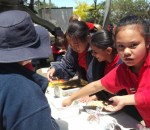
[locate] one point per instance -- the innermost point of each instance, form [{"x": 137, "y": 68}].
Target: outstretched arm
[{"x": 89, "y": 89}]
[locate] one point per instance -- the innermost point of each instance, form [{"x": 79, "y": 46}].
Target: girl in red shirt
[
  {"x": 131, "y": 39},
  {"x": 78, "y": 55},
  {"x": 106, "y": 58}
]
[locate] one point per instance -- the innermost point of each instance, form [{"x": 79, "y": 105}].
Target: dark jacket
[
  {"x": 69, "y": 66},
  {"x": 96, "y": 72},
  {"x": 23, "y": 105}
]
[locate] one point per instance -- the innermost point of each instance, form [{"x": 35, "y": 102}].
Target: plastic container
[{"x": 59, "y": 92}]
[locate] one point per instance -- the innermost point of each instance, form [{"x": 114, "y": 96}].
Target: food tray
[{"x": 74, "y": 83}]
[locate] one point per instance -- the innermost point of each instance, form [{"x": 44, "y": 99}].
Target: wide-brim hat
[{"x": 20, "y": 40}]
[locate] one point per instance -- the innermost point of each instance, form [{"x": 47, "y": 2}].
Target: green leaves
[{"x": 119, "y": 9}]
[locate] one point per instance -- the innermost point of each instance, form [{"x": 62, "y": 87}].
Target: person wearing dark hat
[{"x": 23, "y": 105}]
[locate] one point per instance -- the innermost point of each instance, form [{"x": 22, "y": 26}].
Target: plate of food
[{"x": 92, "y": 106}]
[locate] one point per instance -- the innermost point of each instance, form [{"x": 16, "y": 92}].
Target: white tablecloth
[{"x": 79, "y": 121}]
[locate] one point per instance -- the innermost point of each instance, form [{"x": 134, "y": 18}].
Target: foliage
[
  {"x": 41, "y": 5},
  {"x": 89, "y": 12},
  {"x": 95, "y": 14},
  {"x": 81, "y": 10},
  {"x": 121, "y": 8}
]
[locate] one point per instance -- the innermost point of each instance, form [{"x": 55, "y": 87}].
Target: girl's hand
[
  {"x": 120, "y": 101},
  {"x": 117, "y": 104},
  {"x": 67, "y": 102},
  {"x": 50, "y": 74}
]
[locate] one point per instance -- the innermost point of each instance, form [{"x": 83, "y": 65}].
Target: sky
[{"x": 70, "y": 3}]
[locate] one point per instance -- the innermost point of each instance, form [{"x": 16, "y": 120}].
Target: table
[{"x": 79, "y": 122}]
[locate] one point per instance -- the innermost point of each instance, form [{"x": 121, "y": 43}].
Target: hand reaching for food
[
  {"x": 88, "y": 98},
  {"x": 50, "y": 74},
  {"x": 67, "y": 102},
  {"x": 116, "y": 105}
]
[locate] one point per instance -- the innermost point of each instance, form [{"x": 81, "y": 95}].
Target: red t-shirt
[
  {"x": 110, "y": 66},
  {"x": 82, "y": 60},
  {"x": 55, "y": 50},
  {"x": 90, "y": 25},
  {"x": 122, "y": 78}
]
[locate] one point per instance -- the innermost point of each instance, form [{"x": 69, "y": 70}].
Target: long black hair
[
  {"x": 103, "y": 39},
  {"x": 78, "y": 30}
]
